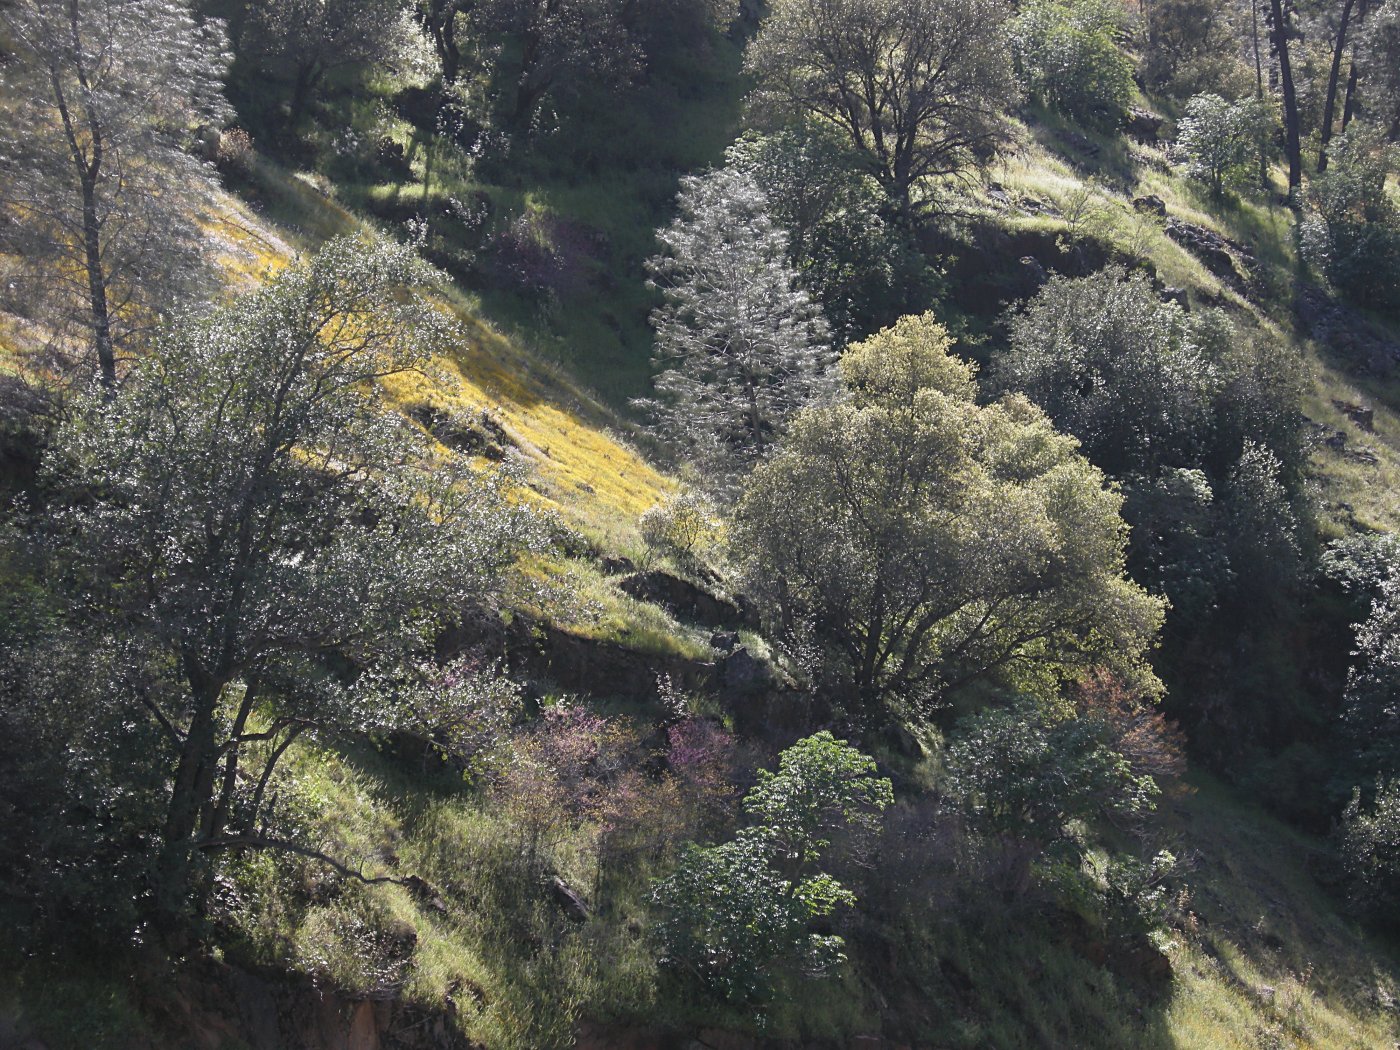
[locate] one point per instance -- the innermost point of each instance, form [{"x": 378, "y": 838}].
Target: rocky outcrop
[
  {"x": 1217, "y": 253},
  {"x": 568, "y": 900},
  {"x": 991, "y": 266},
  {"x": 1143, "y": 126},
  {"x": 1363, "y": 417},
  {"x": 1365, "y": 348},
  {"x": 682, "y": 599},
  {"x": 540, "y": 652},
  {"x": 1151, "y": 204},
  {"x": 479, "y": 435}
]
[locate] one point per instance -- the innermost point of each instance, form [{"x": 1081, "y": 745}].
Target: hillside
[{"x": 480, "y": 832}]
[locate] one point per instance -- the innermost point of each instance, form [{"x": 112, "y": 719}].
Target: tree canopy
[
  {"x": 250, "y": 509},
  {"x": 921, "y": 87},
  {"x": 920, "y": 541}
]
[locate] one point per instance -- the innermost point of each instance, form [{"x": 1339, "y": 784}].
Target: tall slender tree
[
  {"x": 1293, "y": 149},
  {"x": 739, "y": 344},
  {"x": 1329, "y": 107},
  {"x": 99, "y": 190}
]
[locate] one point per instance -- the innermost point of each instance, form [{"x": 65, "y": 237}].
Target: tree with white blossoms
[
  {"x": 247, "y": 505},
  {"x": 739, "y": 345},
  {"x": 99, "y": 190}
]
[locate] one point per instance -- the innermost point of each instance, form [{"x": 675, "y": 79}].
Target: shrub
[
  {"x": 1144, "y": 385},
  {"x": 1352, "y": 231},
  {"x": 1370, "y": 845},
  {"x": 1069, "y": 60},
  {"x": 1371, "y": 704},
  {"x": 734, "y": 912},
  {"x": 682, "y": 527},
  {"x": 1029, "y": 778}
]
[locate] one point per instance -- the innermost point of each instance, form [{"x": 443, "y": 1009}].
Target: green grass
[
  {"x": 576, "y": 595},
  {"x": 496, "y": 953},
  {"x": 596, "y": 186}
]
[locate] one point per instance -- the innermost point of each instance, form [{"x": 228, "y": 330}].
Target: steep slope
[{"x": 1260, "y": 955}]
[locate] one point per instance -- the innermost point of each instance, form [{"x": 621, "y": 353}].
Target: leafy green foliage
[
  {"x": 1219, "y": 140},
  {"x": 1262, "y": 532},
  {"x": 307, "y": 41},
  {"x": 1370, "y": 844},
  {"x": 1037, "y": 788},
  {"x": 1142, "y": 384},
  {"x": 683, "y": 527},
  {"x": 1021, "y": 771},
  {"x": 1177, "y": 547},
  {"x": 730, "y": 916},
  {"x": 822, "y": 786},
  {"x": 1191, "y": 46},
  {"x": 913, "y": 541},
  {"x": 247, "y": 507},
  {"x": 1378, "y": 55},
  {"x": 1069, "y": 58},
  {"x": 1371, "y": 711},
  {"x": 919, "y": 86},
  {"x": 1352, "y": 229},
  {"x": 841, "y": 242},
  {"x": 735, "y": 910}
]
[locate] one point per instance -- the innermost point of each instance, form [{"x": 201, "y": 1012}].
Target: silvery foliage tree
[
  {"x": 739, "y": 345},
  {"x": 852, "y": 260},
  {"x": 248, "y": 506},
  {"x": 921, "y": 87},
  {"x": 99, "y": 193}
]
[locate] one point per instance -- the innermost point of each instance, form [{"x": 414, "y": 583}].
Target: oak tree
[
  {"x": 910, "y": 541},
  {"x": 249, "y": 506},
  {"x": 919, "y": 86}
]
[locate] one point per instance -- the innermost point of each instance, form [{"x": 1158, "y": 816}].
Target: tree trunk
[
  {"x": 190, "y": 798},
  {"x": 1292, "y": 140},
  {"x": 1349, "y": 109},
  {"x": 1259, "y": 89},
  {"x": 307, "y": 76},
  {"x": 441, "y": 21},
  {"x": 528, "y": 89},
  {"x": 89, "y": 171},
  {"x": 97, "y": 288},
  {"x": 1334, "y": 75}
]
